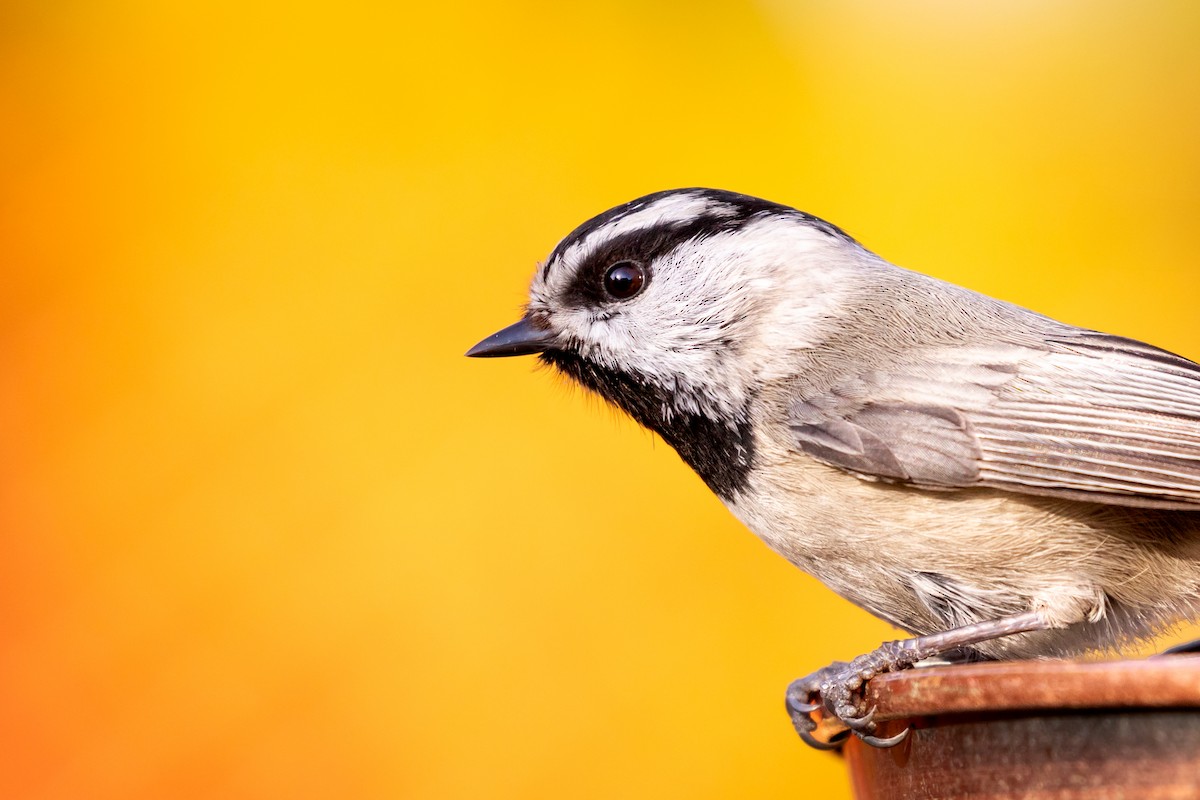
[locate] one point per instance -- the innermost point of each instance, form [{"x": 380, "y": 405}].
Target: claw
[
  {"x": 815, "y": 743},
  {"x": 890, "y": 741},
  {"x": 805, "y": 725},
  {"x": 838, "y": 692},
  {"x": 863, "y": 723},
  {"x": 796, "y": 707}
]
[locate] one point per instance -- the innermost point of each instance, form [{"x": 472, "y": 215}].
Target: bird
[{"x": 994, "y": 482}]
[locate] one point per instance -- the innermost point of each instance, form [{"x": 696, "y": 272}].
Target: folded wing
[{"x": 1086, "y": 417}]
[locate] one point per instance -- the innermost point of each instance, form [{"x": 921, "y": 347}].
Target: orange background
[{"x": 264, "y": 532}]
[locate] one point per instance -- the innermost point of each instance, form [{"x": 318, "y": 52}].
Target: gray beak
[{"x": 518, "y": 339}]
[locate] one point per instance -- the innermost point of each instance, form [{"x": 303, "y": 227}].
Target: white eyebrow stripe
[
  {"x": 667, "y": 211},
  {"x": 675, "y": 209}
]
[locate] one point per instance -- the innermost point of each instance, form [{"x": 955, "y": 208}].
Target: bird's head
[{"x": 680, "y": 302}]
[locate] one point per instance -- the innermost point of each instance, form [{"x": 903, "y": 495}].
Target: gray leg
[{"x": 838, "y": 688}]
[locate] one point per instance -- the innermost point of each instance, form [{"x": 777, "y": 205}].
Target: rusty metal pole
[{"x": 1125, "y": 730}]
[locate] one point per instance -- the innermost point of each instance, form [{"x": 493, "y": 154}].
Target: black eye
[{"x": 624, "y": 279}]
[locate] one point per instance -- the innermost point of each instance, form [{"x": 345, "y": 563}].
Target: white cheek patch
[
  {"x": 720, "y": 314},
  {"x": 770, "y": 288},
  {"x": 809, "y": 297}
]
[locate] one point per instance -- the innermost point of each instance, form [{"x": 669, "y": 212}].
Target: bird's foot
[
  {"x": 838, "y": 693},
  {"x": 804, "y": 697}
]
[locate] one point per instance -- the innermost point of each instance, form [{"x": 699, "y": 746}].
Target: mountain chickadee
[{"x": 983, "y": 476}]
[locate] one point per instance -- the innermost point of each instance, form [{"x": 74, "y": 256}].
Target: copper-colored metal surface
[{"x": 1127, "y": 730}]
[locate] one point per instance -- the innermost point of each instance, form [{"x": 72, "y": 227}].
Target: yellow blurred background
[{"x": 264, "y": 532}]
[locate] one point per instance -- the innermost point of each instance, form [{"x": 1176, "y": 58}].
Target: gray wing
[{"x": 1089, "y": 417}]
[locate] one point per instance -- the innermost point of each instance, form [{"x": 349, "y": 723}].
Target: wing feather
[{"x": 1092, "y": 417}]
